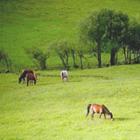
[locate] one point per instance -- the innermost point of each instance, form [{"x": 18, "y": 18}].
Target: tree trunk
[
  {"x": 73, "y": 57},
  {"x": 67, "y": 60},
  {"x": 113, "y": 57},
  {"x": 43, "y": 64},
  {"x": 63, "y": 61},
  {"x": 130, "y": 57},
  {"x": 125, "y": 54},
  {"x": 99, "y": 55},
  {"x": 81, "y": 62},
  {"x": 139, "y": 56}
]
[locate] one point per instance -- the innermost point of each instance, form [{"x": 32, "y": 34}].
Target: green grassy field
[
  {"x": 53, "y": 110},
  {"x": 29, "y": 23}
]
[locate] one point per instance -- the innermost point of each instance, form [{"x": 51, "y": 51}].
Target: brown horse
[
  {"x": 100, "y": 109},
  {"x": 23, "y": 75},
  {"x": 31, "y": 78}
]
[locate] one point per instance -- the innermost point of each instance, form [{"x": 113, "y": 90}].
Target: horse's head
[
  {"x": 111, "y": 116},
  {"x": 19, "y": 80}
]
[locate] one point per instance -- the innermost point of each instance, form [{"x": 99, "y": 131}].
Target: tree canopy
[{"x": 103, "y": 27}]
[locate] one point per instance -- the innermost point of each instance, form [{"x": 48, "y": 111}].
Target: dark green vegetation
[
  {"x": 54, "y": 110},
  {"x": 29, "y": 23},
  {"x": 39, "y": 56},
  {"x": 110, "y": 31},
  {"x": 4, "y": 59}
]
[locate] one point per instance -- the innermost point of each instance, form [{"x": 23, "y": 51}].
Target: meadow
[
  {"x": 37, "y": 23},
  {"x": 54, "y": 110}
]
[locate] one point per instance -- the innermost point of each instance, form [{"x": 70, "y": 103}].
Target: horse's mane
[{"x": 105, "y": 109}]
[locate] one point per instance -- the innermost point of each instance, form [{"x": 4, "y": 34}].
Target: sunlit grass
[{"x": 56, "y": 110}]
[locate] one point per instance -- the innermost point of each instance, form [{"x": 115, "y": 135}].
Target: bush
[
  {"x": 39, "y": 56},
  {"x": 5, "y": 60}
]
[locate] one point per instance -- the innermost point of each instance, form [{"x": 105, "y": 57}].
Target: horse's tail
[{"x": 88, "y": 109}]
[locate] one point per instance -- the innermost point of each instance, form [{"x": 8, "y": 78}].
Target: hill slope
[{"x": 28, "y": 23}]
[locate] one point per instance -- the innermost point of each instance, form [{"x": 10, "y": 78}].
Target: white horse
[{"x": 64, "y": 75}]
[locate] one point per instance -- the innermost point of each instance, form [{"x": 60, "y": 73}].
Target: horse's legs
[
  {"x": 100, "y": 115},
  {"x": 92, "y": 115},
  {"x": 23, "y": 80},
  {"x": 34, "y": 81},
  {"x": 27, "y": 82},
  {"x": 104, "y": 116}
]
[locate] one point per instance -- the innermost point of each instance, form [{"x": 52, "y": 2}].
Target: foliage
[
  {"x": 91, "y": 33},
  {"x": 4, "y": 59},
  {"x": 62, "y": 49},
  {"x": 132, "y": 43},
  {"x": 40, "y": 56},
  {"x": 133, "y": 39},
  {"x": 73, "y": 49},
  {"x": 117, "y": 27},
  {"x": 103, "y": 27},
  {"x": 81, "y": 51}
]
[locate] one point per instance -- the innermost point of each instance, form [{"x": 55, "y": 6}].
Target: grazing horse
[
  {"x": 31, "y": 78},
  {"x": 23, "y": 75},
  {"x": 64, "y": 75},
  {"x": 100, "y": 109}
]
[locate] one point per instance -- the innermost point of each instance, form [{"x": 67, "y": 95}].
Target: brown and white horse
[{"x": 100, "y": 109}]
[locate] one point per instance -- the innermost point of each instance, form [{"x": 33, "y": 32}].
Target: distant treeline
[{"x": 106, "y": 31}]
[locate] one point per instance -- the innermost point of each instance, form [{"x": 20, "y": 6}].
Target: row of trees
[
  {"x": 63, "y": 49},
  {"x": 105, "y": 31},
  {"x": 112, "y": 31}
]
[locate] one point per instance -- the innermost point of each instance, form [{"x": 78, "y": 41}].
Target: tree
[
  {"x": 4, "y": 58},
  {"x": 92, "y": 33},
  {"x": 73, "y": 48},
  {"x": 80, "y": 51},
  {"x": 40, "y": 56},
  {"x": 62, "y": 49},
  {"x": 116, "y": 26},
  {"x": 133, "y": 41},
  {"x": 103, "y": 27}
]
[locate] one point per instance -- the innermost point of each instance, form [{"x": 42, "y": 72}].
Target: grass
[
  {"x": 54, "y": 110},
  {"x": 29, "y": 23}
]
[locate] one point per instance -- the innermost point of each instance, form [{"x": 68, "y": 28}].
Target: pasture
[{"x": 54, "y": 110}]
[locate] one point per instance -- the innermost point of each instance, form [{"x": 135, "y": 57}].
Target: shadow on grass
[{"x": 122, "y": 119}]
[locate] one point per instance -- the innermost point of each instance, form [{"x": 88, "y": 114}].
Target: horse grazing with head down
[
  {"x": 64, "y": 75},
  {"x": 23, "y": 75},
  {"x": 100, "y": 109},
  {"x": 31, "y": 78}
]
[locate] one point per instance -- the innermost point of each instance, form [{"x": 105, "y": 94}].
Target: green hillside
[{"x": 29, "y": 23}]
